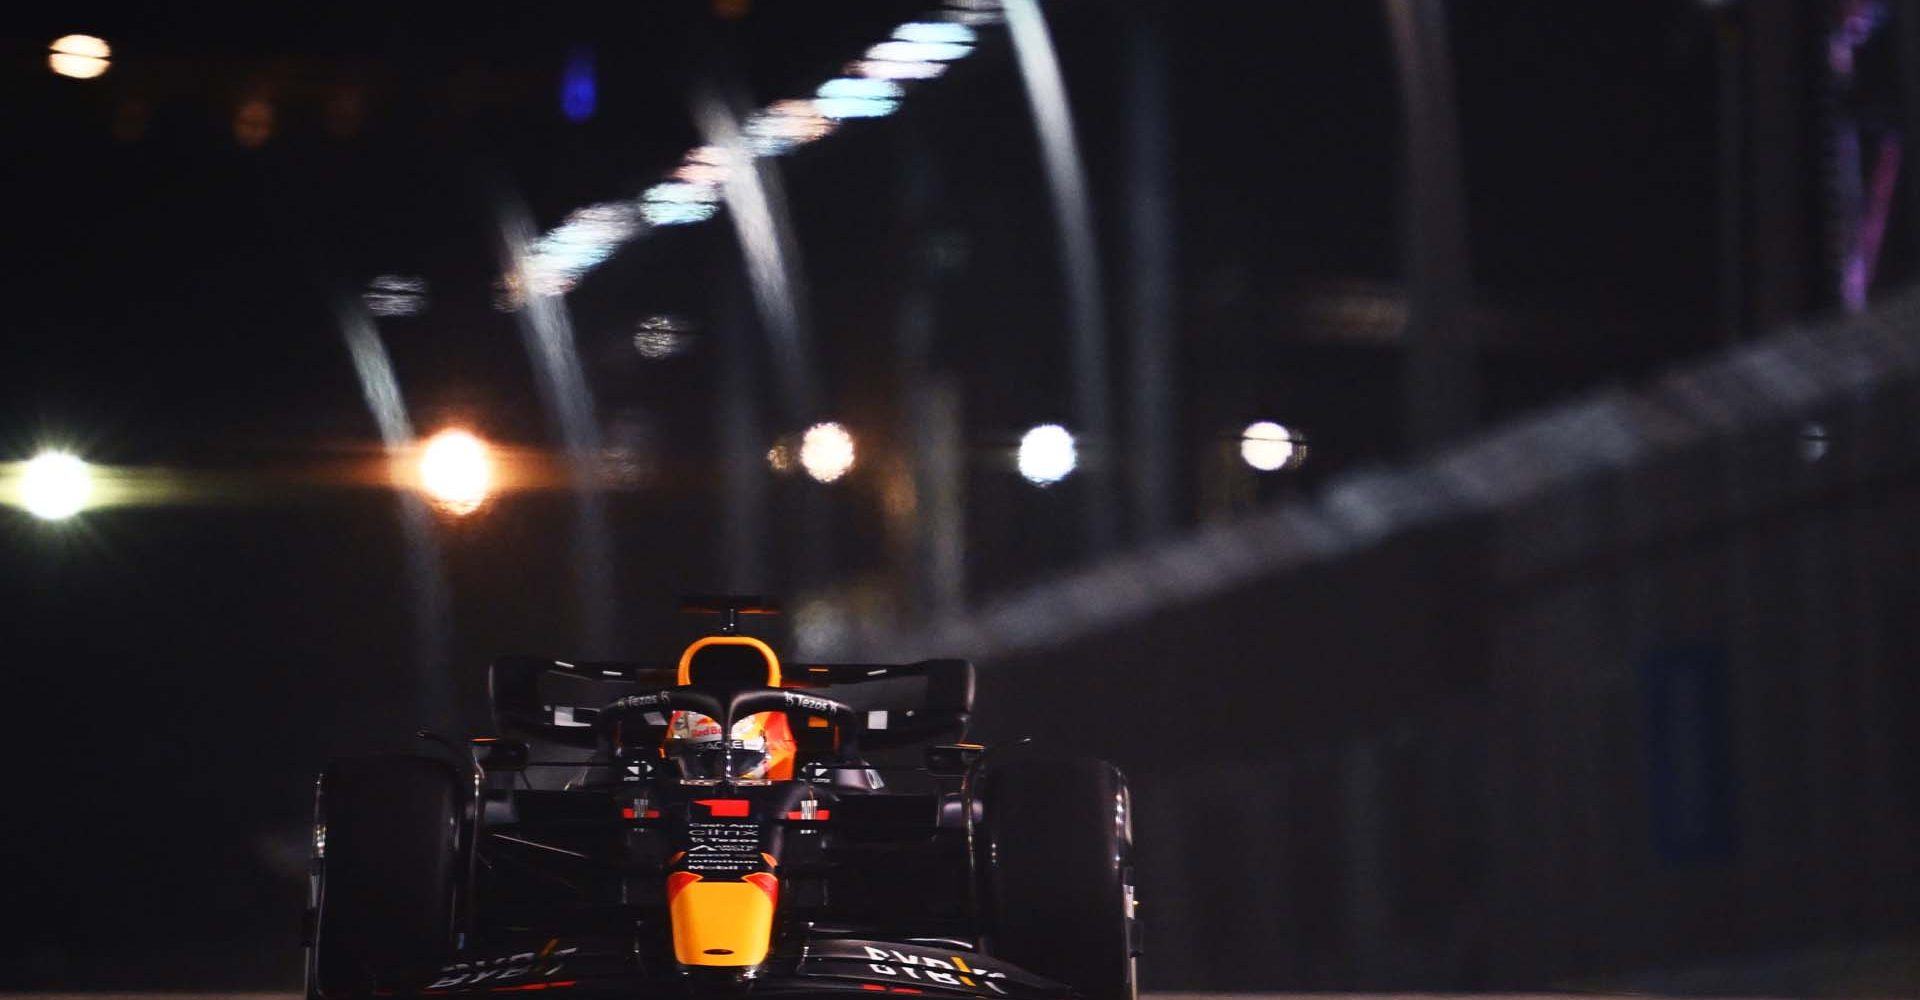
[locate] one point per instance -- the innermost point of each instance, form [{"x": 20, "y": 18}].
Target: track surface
[{"x": 185, "y": 995}]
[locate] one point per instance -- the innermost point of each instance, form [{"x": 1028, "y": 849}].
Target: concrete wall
[{"x": 1642, "y": 713}]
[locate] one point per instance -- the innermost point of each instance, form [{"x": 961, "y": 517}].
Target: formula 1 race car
[{"x": 721, "y": 826}]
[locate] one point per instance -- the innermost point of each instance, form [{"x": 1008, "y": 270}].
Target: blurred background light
[
  {"x": 1813, "y": 441},
  {"x": 81, "y": 57},
  {"x": 395, "y": 295},
  {"x": 585, "y": 239},
  {"x": 783, "y": 125},
  {"x": 911, "y": 52},
  {"x": 940, "y": 32},
  {"x": 56, "y": 485},
  {"x": 660, "y": 337},
  {"x": 844, "y": 108},
  {"x": 826, "y": 451},
  {"x": 888, "y": 69},
  {"x": 704, "y": 165},
  {"x": 579, "y": 93},
  {"x": 780, "y": 458},
  {"x": 253, "y": 123},
  {"x": 678, "y": 203},
  {"x": 857, "y": 97},
  {"x": 345, "y": 111},
  {"x": 1047, "y": 454},
  {"x": 456, "y": 471},
  {"x": 1269, "y": 447},
  {"x": 859, "y": 89}
]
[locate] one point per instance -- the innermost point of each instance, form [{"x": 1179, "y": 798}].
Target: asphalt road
[{"x": 1143, "y": 997}]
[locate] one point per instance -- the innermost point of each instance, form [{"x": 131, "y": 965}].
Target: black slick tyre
[
  {"x": 1057, "y": 866},
  {"x": 386, "y": 863}
]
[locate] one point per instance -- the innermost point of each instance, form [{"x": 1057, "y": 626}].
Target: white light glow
[
  {"x": 456, "y": 471},
  {"x": 678, "y": 203},
  {"x": 886, "y": 69},
  {"x": 918, "y": 51},
  {"x": 859, "y": 88},
  {"x": 783, "y": 126},
  {"x": 945, "y": 32},
  {"x": 1047, "y": 454},
  {"x": 581, "y": 242},
  {"x": 844, "y": 108},
  {"x": 81, "y": 57},
  {"x": 56, "y": 485},
  {"x": 1269, "y": 447},
  {"x": 826, "y": 452}
]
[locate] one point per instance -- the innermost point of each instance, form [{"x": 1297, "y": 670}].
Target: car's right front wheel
[
  {"x": 386, "y": 866},
  {"x": 1058, "y": 873}
]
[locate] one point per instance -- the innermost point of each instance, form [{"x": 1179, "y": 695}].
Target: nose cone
[{"x": 722, "y": 923}]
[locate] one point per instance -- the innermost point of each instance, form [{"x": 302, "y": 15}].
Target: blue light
[{"x": 578, "y": 91}]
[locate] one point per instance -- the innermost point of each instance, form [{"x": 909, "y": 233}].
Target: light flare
[
  {"x": 457, "y": 471},
  {"x": 826, "y": 451},
  {"x": 1270, "y": 447},
  {"x": 56, "y": 485},
  {"x": 1047, "y": 454},
  {"x": 80, "y": 57}
]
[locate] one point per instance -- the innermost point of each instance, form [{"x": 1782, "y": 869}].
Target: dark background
[{"x": 175, "y": 672}]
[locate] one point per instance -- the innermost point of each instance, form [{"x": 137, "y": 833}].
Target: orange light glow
[
  {"x": 253, "y": 123},
  {"x": 457, "y": 471}
]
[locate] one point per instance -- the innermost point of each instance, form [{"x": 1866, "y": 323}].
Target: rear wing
[{"x": 904, "y": 704}]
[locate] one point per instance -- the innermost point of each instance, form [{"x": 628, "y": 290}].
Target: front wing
[{"x": 826, "y": 967}]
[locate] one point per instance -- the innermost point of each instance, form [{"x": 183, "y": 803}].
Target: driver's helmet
[{"x": 761, "y": 748}]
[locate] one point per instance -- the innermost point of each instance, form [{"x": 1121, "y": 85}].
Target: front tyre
[
  {"x": 1058, "y": 871},
  {"x": 386, "y": 850}
]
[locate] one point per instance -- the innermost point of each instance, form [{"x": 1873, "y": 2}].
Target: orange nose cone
[{"x": 722, "y": 923}]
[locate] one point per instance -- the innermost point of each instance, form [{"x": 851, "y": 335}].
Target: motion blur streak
[
  {"x": 756, "y": 204},
  {"x": 580, "y": 243},
  {"x": 1151, "y": 235},
  {"x": 887, "y": 69},
  {"x": 425, "y": 570},
  {"x": 57, "y": 485},
  {"x": 783, "y": 126},
  {"x": 857, "y": 97},
  {"x": 546, "y": 328},
  {"x": 1073, "y": 212},
  {"x": 556, "y": 261}
]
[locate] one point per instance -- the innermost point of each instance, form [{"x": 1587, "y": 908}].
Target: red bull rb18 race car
[{"x": 725, "y": 825}]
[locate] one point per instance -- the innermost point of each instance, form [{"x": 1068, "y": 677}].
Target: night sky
[{"x": 177, "y": 671}]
